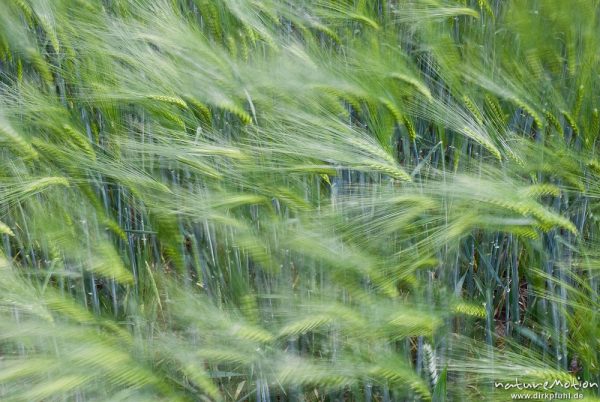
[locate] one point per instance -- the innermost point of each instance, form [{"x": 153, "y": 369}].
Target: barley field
[{"x": 299, "y": 200}]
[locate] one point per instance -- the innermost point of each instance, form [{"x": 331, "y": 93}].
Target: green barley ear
[
  {"x": 412, "y": 81},
  {"x": 12, "y": 140},
  {"x": 536, "y": 117},
  {"x": 484, "y": 6},
  {"x": 571, "y": 56},
  {"x": 47, "y": 150},
  {"x": 4, "y": 229},
  {"x": 4, "y": 51},
  {"x": 109, "y": 264},
  {"x": 489, "y": 145},
  {"x": 410, "y": 127},
  {"x": 331, "y": 101},
  {"x": 199, "y": 377},
  {"x": 550, "y": 118},
  {"x": 578, "y": 101},
  {"x": 244, "y": 50},
  {"x": 114, "y": 228},
  {"x": 594, "y": 166},
  {"x": 199, "y": 109},
  {"x": 457, "y": 154},
  {"x": 395, "y": 373},
  {"x": 42, "y": 184},
  {"x": 213, "y": 20},
  {"x": 306, "y": 324},
  {"x": 495, "y": 110},
  {"x": 171, "y": 100},
  {"x": 572, "y": 123},
  {"x": 25, "y": 9},
  {"x": 236, "y": 111},
  {"x": 353, "y": 101},
  {"x": 524, "y": 232},
  {"x": 80, "y": 141},
  {"x": 19, "y": 70},
  {"x": 431, "y": 360},
  {"x": 514, "y": 156},
  {"x": 170, "y": 119},
  {"x": 394, "y": 111},
  {"x": 253, "y": 333},
  {"x": 595, "y": 126},
  {"x": 538, "y": 190},
  {"x": 231, "y": 46},
  {"x": 251, "y": 34},
  {"x": 535, "y": 65},
  {"x": 342, "y": 95},
  {"x": 50, "y": 33},
  {"x": 390, "y": 170},
  {"x": 249, "y": 308},
  {"x": 41, "y": 65},
  {"x": 469, "y": 309},
  {"x": 473, "y": 109}
]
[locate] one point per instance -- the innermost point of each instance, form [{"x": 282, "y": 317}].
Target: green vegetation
[{"x": 311, "y": 200}]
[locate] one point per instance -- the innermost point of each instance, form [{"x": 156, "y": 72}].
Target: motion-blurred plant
[{"x": 234, "y": 200}]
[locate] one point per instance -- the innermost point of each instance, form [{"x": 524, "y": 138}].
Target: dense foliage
[{"x": 317, "y": 200}]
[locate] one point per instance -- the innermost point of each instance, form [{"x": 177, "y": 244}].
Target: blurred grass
[{"x": 317, "y": 200}]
